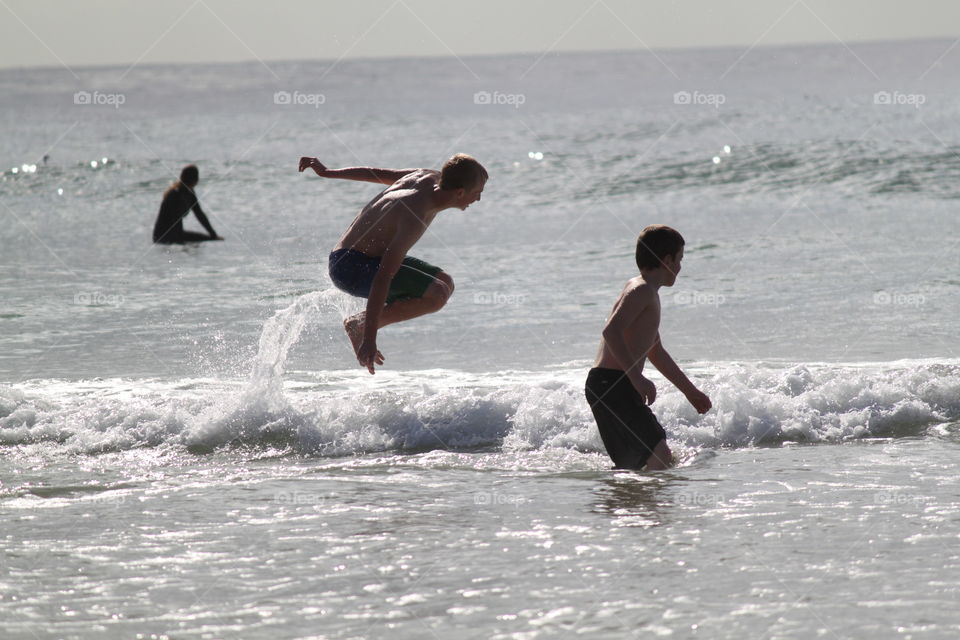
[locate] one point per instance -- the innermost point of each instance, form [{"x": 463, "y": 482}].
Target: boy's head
[
  {"x": 190, "y": 175},
  {"x": 660, "y": 246},
  {"x": 464, "y": 174}
]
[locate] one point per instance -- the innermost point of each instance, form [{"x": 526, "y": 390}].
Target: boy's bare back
[
  {"x": 636, "y": 315},
  {"x": 407, "y": 202}
]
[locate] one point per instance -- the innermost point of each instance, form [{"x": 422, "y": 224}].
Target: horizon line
[{"x": 518, "y": 53}]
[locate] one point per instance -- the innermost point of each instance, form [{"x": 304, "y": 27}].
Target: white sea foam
[{"x": 349, "y": 414}]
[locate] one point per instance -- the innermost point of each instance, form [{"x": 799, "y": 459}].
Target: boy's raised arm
[
  {"x": 665, "y": 364},
  {"x": 362, "y": 174}
]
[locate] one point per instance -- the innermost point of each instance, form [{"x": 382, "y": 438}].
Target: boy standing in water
[
  {"x": 616, "y": 389},
  {"x": 371, "y": 260}
]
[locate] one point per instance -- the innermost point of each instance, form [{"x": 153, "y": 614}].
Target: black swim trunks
[
  {"x": 628, "y": 428},
  {"x": 353, "y": 271}
]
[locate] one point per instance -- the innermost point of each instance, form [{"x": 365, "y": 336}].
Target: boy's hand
[
  {"x": 646, "y": 389},
  {"x": 367, "y": 355},
  {"x": 699, "y": 400},
  {"x": 312, "y": 163}
]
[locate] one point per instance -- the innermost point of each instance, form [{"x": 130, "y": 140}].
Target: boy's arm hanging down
[
  {"x": 408, "y": 232},
  {"x": 362, "y": 174},
  {"x": 202, "y": 217},
  {"x": 665, "y": 364}
]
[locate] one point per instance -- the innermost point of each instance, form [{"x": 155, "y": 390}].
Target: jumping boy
[
  {"x": 616, "y": 389},
  {"x": 371, "y": 260}
]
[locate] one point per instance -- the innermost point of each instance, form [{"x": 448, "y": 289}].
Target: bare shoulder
[
  {"x": 418, "y": 178},
  {"x": 638, "y": 291}
]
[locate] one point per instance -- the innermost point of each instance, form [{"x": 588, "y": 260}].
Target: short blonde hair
[{"x": 462, "y": 172}]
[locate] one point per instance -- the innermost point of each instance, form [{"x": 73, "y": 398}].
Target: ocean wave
[
  {"x": 855, "y": 167},
  {"x": 346, "y": 414}
]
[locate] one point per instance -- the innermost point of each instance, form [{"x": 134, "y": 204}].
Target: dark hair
[
  {"x": 190, "y": 174},
  {"x": 462, "y": 172},
  {"x": 655, "y": 243}
]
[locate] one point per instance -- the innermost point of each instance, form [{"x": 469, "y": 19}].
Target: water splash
[
  {"x": 281, "y": 332},
  {"x": 261, "y": 412}
]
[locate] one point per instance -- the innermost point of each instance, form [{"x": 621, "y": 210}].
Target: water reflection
[{"x": 636, "y": 500}]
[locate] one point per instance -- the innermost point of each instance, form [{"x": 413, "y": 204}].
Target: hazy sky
[{"x": 122, "y": 32}]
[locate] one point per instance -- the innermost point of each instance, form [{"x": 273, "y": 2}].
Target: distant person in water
[
  {"x": 178, "y": 200},
  {"x": 618, "y": 393},
  {"x": 371, "y": 260}
]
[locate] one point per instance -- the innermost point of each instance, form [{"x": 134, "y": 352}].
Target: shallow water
[
  {"x": 189, "y": 450},
  {"x": 768, "y": 542}
]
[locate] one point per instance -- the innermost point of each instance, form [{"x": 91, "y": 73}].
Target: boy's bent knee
[
  {"x": 442, "y": 288},
  {"x": 447, "y": 281},
  {"x": 439, "y": 291}
]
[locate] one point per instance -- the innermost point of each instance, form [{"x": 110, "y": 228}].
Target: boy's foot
[{"x": 354, "y": 328}]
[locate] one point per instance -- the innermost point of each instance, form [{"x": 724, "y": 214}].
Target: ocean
[{"x": 188, "y": 448}]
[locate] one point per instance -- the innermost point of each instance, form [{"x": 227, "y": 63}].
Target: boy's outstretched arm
[
  {"x": 665, "y": 364},
  {"x": 363, "y": 174},
  {"x": 626, "y": 315}
]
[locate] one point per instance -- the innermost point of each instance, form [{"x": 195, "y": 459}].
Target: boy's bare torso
[
  {"x": 407, "y": 200},
  {"x": 643, "y": 332}
]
